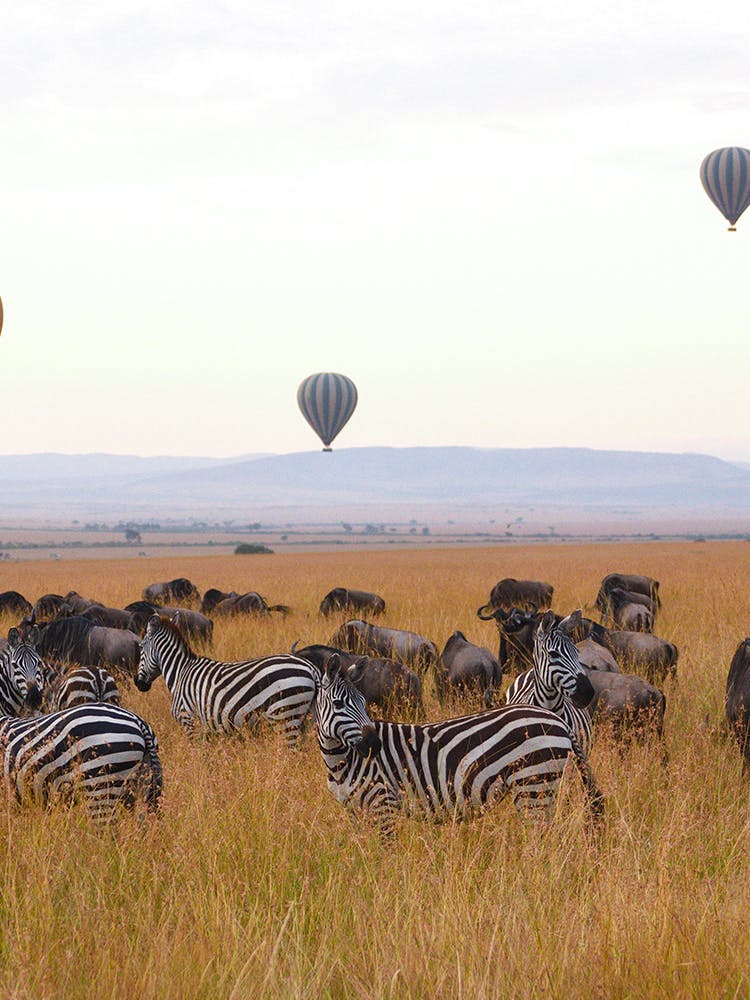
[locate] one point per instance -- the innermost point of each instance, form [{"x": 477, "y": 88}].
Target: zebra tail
[
  {"x": 594, "y": 796},
  {"x": 153, "y": 782}
]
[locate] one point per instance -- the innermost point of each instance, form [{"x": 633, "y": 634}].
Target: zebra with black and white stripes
[
  {"x": 78, "y": 686},
  {"x": 557, "y": 681},
  {"x": 102, "y": 753},
  {"x": 448, "y": 769},
  {"x": 21, "y": 674},
  {"x": 227, "y": 697}
]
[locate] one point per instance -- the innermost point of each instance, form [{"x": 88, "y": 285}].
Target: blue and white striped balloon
[
  {"x": 327, "y": 401},
  {"x": 725, "y": 175}
]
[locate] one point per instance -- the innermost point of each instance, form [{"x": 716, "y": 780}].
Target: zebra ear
[
  {"x": 153, "y": 621},
  {"x": 14, "y": 638},
  {"x": 547, "y": 623},
  {"x": 333, "y": 666}
]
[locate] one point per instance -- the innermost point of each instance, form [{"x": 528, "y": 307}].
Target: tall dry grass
[{"x": 253, "y": 882}]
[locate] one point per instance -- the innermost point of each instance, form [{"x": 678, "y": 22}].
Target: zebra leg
[{"x": 594, "y": 796}]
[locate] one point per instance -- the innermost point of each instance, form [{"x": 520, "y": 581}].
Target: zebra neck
[
  {"x": 175, "y": 664},
  {"x": 547, "y": 697}
]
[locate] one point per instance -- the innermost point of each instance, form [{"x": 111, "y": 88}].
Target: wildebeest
[
  {"x": 358, "y": 636},
  {"x": 179, "y": 591},
  {"x": 641, "y": 653},
  {"x": 630, "y": 705},
  {"x": 629, "y": 582},
  {"x": 78, "y": 640},
  {"x": 47, "y": 607},
  {"x": 343, "y": 599},
  {"x": 212, "y": 597},
  {"x": 737, "y": 701},
  {"x": 251, "y": 603},
  {"x": 510, "y": 593},
  {"x": 597, "y": 657},
  {"x": 13, "y": 603},
  {"x": 78, "y": 604},
  {"x": 383, "y": 682},
  {"x": 629, "y": 612},
  {"x": 466, "y": 667},
  {"x": 111, "y": 617},
  {"x": 192, "y": 624}
]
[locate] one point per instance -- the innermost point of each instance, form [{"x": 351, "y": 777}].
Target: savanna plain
[{"x": 253, "y": 882}]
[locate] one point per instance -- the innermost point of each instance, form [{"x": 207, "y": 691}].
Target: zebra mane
[{"x": 168, "y": 624}]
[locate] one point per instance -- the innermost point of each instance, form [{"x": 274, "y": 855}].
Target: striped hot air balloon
[
  {"x": 327, "y": 401},
  {"x": 725, "y": 175}
]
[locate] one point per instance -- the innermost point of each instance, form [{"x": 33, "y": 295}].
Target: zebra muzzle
[
  {"x": 583, "y": 693},
  {"x": 370, "y": 742}
]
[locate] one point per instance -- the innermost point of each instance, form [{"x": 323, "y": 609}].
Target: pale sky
[{"x": 488, "y": 215}]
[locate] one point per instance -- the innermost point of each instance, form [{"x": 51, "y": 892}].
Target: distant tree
[
  {"x": 425, "y": 530},
  {"x": 252, "y": 549},
  {"x": 345, "y": 526},
  {"x": 131, "y": 535}
]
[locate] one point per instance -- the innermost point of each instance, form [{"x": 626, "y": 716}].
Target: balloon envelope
[
  {"x": 725, "y": 175},
  {"x": 327, "y": 400}
]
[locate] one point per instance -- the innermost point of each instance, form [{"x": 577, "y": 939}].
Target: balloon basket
[
  {"x": 732, "y": 229},
  {"x": 328, "y": 449}
]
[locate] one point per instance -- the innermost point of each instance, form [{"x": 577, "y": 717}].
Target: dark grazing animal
[
  {"x": 226, "y": 697},
  {"x": 179, "y": 591},
  {"x": 250, "y": 603},
  {"x": 13, "y": 603},
  {"x": 21, "y": 674},
  {"x": 737, "y": 701},
  {"x": 633, "y": 708},
  {"x": 212, "y": 597},
  {"x": 462, "y": 666},
  {"x": 111, "y": 617},
  {"x": 384, "y": 683},
  {"x": 357, "y": 636},
  {"x": 645, "y": 585},
  {"x": 510, "y": 593},
  {"x": 343, "y": 599},
  {"x": 632, "y": 616},
  {"x": 80, "y": 641},
  {"x": 107, "y": 755},
  {"x": 47, "y": 607},
  {"x": 194, "y": 625},
  {"x": 78, "y": 686},
  {"x": 448, "y": 769},
  {"x": 641, "y": 653},
  {"x": 557, "y": 681}
]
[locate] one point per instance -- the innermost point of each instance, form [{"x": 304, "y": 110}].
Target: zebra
[
  {"x": 448, "y": 769},
  {"x": 21, "y": 674},
  {"x": 226, "y": 697},
  {"x": 557, "y": 681},
  {"x": 78, "y": 686},
  {"x": 102, "y": 753}
]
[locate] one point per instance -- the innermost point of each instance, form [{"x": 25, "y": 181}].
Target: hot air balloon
[
  {"x": 725, "y": 175},
  {"x": 327, "y": 400}
]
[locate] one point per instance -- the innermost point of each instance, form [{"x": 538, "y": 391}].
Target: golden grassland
[{"x": 253, "y": 882}]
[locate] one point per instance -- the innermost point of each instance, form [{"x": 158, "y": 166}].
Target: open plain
[{"x": 252, "y": 881}]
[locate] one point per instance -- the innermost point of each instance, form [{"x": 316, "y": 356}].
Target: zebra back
[
  {"x": 452, "y": 768},
  {"x": 80, "y": 686},
  {"x": 227, "y": 697},
  {"x": 103, "y": 753}
]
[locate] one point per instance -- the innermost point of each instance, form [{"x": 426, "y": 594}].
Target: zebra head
[
  {"x": 150, "y": 660},
  {"x": 25, "y": 668},
  {"x": 556, "y": 661},
  {"x": 343, "y": 721}
]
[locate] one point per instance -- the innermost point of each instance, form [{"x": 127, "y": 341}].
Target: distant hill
[{"x": 570, "y": 477}]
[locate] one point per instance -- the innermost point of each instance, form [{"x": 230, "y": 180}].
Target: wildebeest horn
[
  {"x": 294, "y": 646},
  {"x": 486, "y": 618}
]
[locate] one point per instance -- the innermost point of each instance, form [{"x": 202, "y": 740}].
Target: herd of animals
[{"x": 63, "y": 730}]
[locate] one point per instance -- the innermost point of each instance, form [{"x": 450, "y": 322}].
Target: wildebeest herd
[{"x": 63, "y": 662}]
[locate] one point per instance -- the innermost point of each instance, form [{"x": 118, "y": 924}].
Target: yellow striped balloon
[
  {"x": 327, "y": 401},
  {"x": 725, "y": 175}
]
